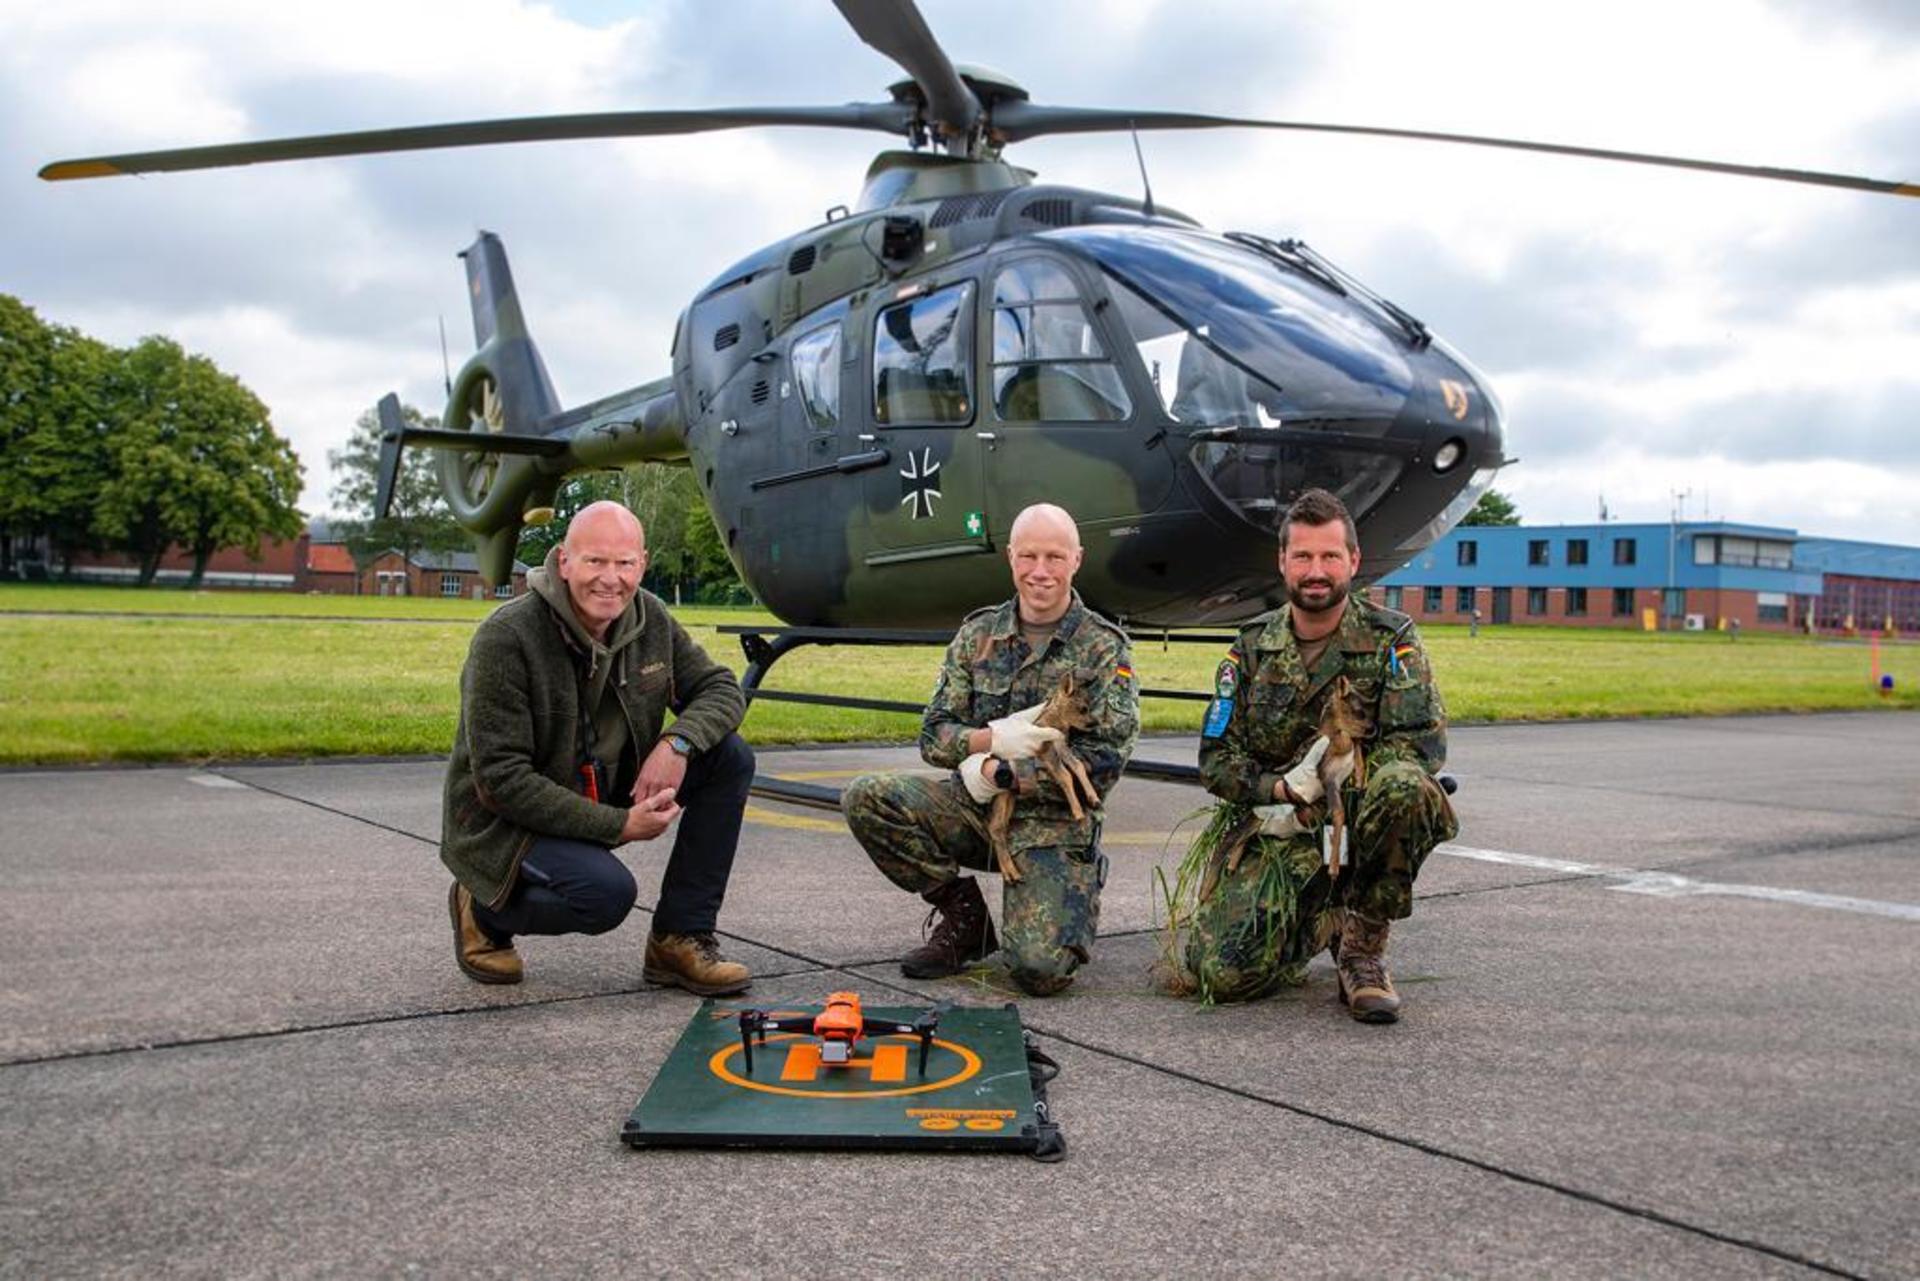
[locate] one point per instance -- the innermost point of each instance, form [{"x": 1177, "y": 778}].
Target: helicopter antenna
[
  {"x": 1141, "y": 156},
  {"x": 446, "y": 369}
]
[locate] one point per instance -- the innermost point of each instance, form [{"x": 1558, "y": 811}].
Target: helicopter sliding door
[
  {"x": 929, "y": 503},
  {"x": 1058, "y": 422}
]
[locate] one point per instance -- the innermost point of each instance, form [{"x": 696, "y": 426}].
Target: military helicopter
[{"x": 867, "y": 404}]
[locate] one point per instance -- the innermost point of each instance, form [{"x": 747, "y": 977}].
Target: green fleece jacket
[{"x": 515, "y": 770}]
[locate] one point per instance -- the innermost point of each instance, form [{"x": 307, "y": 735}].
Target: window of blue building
[
  {"x": 1536, "y": 600},
  {"x": 1463, "y": 602},
  {"x": 1468, "y": 552},
  {"x": 1576, "y": 602},
  {"x": 1576, "y": 551},
  {"x": 1624, "y": 551},
  {"x": 1433, "y": 600},
  {"x": 1537, "y": 552},
  {"x": 1623, "y": 602},
  {"x": 1393, "y": 598}
]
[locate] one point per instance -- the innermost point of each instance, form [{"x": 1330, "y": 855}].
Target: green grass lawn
[{"x": 79, "y": 686}]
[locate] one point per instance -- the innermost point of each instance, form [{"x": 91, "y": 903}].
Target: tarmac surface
[{"x": 1661, "y": 1020}]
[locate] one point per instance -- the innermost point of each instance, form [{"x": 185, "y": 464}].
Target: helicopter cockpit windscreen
[{"x": 1232, "y": 340}]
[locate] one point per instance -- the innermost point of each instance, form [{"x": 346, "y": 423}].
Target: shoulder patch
[{"x": 1226, "y": 678}]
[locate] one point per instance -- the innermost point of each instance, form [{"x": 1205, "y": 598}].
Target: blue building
[{"x": 1698, "y": 574}]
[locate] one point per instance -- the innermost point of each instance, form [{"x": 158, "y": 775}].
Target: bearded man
[{"x": 1262, "y": 746}]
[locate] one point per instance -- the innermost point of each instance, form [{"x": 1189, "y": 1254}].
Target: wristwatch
[{"x": 679, "y": 744}]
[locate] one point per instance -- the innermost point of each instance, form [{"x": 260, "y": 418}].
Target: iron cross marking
[{"x": 919, "y": 483}]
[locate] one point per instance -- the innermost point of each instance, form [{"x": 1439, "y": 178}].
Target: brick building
[
  {"x": 279, "y": 566},
  {"x": 454, "y": 575},
  {"x": 1694, "y": 574}
]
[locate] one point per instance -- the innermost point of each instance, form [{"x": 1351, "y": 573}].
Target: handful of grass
[{"x": 1227, "y": 839}]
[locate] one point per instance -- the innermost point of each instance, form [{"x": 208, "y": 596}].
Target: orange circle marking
[
  {"x": 940, "y": 1123},
  {"x": 986, "y": 1123},
  {"x": 969, "y": 1068}
]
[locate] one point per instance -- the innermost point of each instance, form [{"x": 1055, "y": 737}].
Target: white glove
[
  {"x": 1278, "y": 820},
  {"x": 973, "y": 773},
  {"x": 1303, "y": 780},
  {"x": 1016, "y": 737}
]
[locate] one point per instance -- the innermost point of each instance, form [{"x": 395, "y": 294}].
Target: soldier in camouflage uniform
[
  {"x": 1261, "y": 746},
  {"x": 922, "y": 832}
]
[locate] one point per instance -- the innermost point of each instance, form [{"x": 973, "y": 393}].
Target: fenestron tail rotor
[
  {"x": 968, "y": 112},
  {"x": 478, "y": 469}
]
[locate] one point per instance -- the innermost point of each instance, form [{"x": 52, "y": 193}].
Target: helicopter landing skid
[{"x": 766, "y": 646}]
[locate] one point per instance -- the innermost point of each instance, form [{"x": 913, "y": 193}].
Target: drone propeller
[{"x": 951, "y": 108}]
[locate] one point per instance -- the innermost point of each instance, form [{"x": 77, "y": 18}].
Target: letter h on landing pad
[{"x": 838, "y": 1029}]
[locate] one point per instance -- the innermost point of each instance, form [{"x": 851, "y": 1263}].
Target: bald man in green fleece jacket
[{"x": 561, "y": 755}]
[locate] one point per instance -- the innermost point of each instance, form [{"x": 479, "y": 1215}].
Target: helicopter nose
[{"x": 1471, "y": 422}]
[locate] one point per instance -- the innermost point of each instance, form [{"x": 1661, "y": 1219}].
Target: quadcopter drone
[{"x": 839, "y": 1028}]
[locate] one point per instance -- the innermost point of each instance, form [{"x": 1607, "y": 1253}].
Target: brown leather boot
[
  {"x": 961, "y": 932},
  {"x": 693, "y": 962},
  {"x": 1366, "y": 989},
  {"x": 479, "y": 957}
]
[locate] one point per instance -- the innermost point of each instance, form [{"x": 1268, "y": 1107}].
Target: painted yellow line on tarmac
[
  {"x": 793, "y": 822},
  {"x": 809, "y": 775}
]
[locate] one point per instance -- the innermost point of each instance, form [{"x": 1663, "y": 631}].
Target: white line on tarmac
[{"x": 1668, "y": 885}]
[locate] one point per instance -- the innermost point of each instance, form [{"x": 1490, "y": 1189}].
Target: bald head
[
  {"x": 1044, "y": 520},
  {"x": 1044, "y": 549},
  {"x": 605, "y": 519},
  {"x": 601, "y": 562}
]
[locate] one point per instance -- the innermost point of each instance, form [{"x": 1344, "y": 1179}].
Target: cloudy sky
[{"x": 1754, "y": 343}]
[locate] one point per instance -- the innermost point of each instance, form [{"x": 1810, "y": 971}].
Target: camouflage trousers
[
  {"x": 922, "y": 832},
  {"x": 1260, "y": 924}
]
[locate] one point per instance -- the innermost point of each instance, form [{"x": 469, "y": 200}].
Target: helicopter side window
[
  {"x": 922, "y": 357},
  {"x": 1048, "y": 361},
  {"x": 815, "y": 360}
]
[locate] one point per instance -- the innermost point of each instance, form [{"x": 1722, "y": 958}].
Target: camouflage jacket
[
  {"x": 990, "y": 672},
  {"x": 1266, "y": 707}
]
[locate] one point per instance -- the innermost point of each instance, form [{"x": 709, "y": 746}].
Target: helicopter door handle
[{"x": 987, "y": 436}]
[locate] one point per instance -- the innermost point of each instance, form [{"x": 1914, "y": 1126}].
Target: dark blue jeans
[{"x": 576, "y": 887}]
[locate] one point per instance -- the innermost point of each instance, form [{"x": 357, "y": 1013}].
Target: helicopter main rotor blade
[
  {"x": 1018, "y": 121},
  {"x": 896, "y": 29},
  {"x": 886, "y": 117}
]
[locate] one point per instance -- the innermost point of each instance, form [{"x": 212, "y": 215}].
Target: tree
[
  {"x": 26, "y": 358},
  {"x": 417, "y": 519},
  {"x": 246, "y": 481},
  {"x": 195, "y": 461},
  {"x": 1494, "y": 508},
  {"x": 54, "y": 431}
]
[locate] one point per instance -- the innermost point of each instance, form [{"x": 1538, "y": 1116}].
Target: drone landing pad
[{"x": 976, "y": 1093}]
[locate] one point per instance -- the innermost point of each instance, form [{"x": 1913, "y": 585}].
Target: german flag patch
[{"x": 1123, "y": 672}]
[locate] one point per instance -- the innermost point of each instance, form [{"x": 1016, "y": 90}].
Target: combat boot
[
  {"x": 693, "y": 961},
  {"x": 1366, "y": 989},
  {"x": 479, "y": 957},
  {"x": 961, "y": 932}
]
